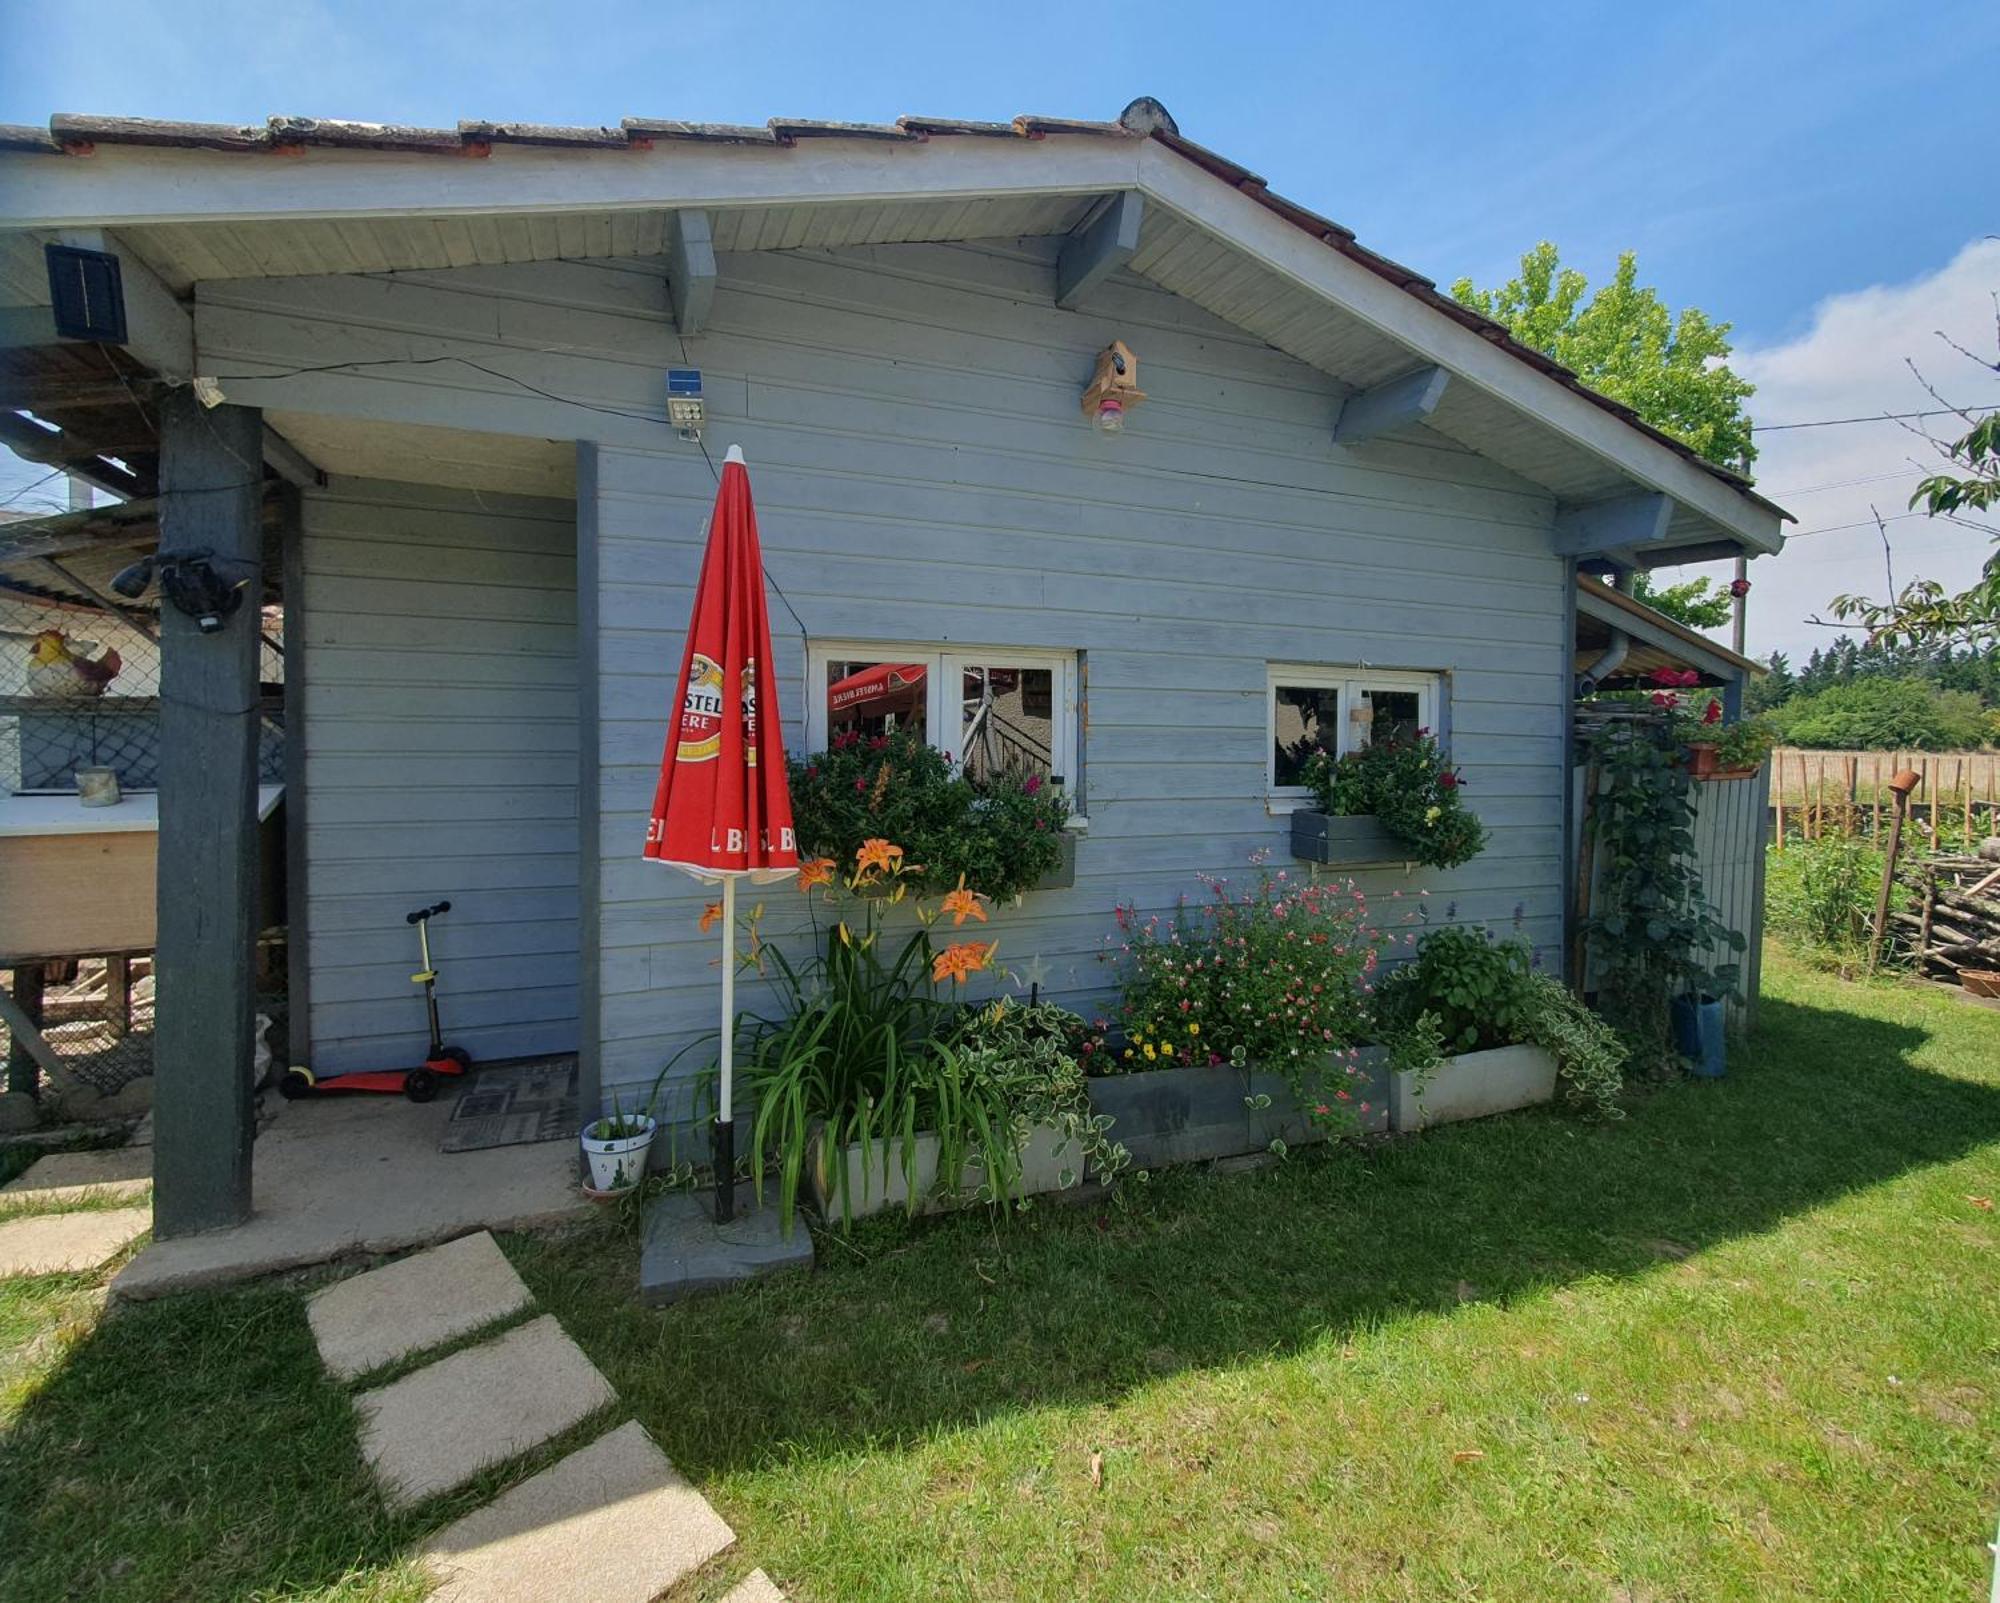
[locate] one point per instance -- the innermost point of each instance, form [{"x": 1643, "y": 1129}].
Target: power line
[{"x": 1876, "y": 417}]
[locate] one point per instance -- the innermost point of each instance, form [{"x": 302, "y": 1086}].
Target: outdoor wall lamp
[
  {"x": 188, "y": 580},
  {"x": 1113, "y": 389}
]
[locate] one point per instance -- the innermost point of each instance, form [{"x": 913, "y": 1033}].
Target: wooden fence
[{"x": 1847, "y": 792}]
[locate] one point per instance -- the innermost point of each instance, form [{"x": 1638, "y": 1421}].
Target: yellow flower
[
  {"x": 1151, "y": 1054},
  {"x": 1433, "y": 814},
  {"x": 711, "y": 915},
  {"x": 1128, "y": 1051},
  {"x": 1193, "y": 1028}
]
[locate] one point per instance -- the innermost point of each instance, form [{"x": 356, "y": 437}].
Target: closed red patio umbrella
[{"x": 722, "y": 810}]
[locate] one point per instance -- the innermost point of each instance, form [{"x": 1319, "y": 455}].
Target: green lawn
[{"x": 1743, "y": 1344}]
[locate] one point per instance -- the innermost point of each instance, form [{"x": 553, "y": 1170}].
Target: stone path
[
  {"x": 121, "y": 1172},
  {"x": 613, "y": 1522},
  {"x": 65, "y": 1243}
]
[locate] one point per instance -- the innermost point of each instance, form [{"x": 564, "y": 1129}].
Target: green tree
[
  {"x": 1775, "y": 689},
  {"x": 1879, "y": 714},
  {"x": 1698, "y": 603},
  {"x": 1624, "y": 342}
]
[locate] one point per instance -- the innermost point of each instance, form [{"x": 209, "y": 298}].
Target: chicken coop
[{"x": 80, "y": 697}]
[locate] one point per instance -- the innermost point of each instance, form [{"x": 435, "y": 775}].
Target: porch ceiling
[{"x": 458, "y": 458}]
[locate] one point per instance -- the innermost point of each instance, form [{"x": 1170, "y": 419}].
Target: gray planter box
[
  {"x": 1063, "y": 875},
  {"x": 1049, "y": 1162},
  {"x": 1166, "y": 1116},
  {"x": 1473, "y": 1085},
  {"x": 1357, "y": 838}
]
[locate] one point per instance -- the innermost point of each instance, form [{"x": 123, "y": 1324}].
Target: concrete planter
[
  {"x": 1191, "y": 1115},
  {"x": 1355, "y": 839},
  {"x": 1474, "y": 1084},
  {"x": 1046, "y": 1158}
]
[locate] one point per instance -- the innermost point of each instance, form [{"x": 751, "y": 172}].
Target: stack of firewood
[{"x": 1952, "y": 921}]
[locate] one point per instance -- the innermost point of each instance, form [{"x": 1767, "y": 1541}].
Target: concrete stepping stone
[
  {"x": 63, "y": 1243},
  {"x": 420, "y": 1302},
  {"x": 437, "y": 1428},
  {"x": 756, "y": 1587},
  {"x": 614, "y": 1522},
  {"x": 122, "y": 1172},
  {"x": 685, "y": 1251}
]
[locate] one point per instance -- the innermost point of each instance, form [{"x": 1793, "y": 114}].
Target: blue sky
[{"x": 1760, "y": 158}]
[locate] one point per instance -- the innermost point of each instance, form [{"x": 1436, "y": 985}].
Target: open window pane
[
  {"x": 1305, "y": 717},
  {"x": 872, "y": 698},
  {"x": 1387, "y": 715},
  {"x": 1007, "y": 719}
]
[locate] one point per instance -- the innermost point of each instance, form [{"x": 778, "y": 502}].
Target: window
[
  {"x": 1343, "y": 710},
  {"x": 993, "y": 709}
]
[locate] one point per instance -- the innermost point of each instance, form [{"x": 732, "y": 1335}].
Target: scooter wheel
[
  {"x": 458, "y": 1055},
  {"x": 420, "y": 1085},
  {"x": 296, "y": 1083}
]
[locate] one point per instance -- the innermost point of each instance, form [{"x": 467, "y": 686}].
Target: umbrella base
[{"x": 687, "y": 1250}]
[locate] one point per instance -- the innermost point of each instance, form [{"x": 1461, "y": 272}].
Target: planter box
[
  {"x": 1357, "y": 838},
  {"x": 1473, "y": 1085},
  {"x": 1166, "y": 1116},
  {"x": 1703, "y": 763},
  {"x": 1045, "y": 1155},
  {"x": 1063, "y": 875}
]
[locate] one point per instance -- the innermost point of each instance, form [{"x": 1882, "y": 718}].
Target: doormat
[{"x": 512, "y": 1104}]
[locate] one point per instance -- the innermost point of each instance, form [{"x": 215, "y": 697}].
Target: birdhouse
[{"x": 1114, "y": 388}]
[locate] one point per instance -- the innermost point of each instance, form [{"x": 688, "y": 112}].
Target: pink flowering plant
[
  {"x": 1269, "y": 976},
  {"x": 1407, "y": 784}
]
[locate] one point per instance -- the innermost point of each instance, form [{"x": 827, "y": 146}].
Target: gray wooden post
[
  {"x": 211, "y": 488},
  {"x": 24, "y": 1074}
]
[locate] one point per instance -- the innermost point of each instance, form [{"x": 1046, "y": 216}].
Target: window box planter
[
  {"x": 1355, "y": 838},
  {"x": 1191, "y": 1115},
  {"x": 1046, "y": 1155},
  {"x": 1703, "y": 764},
  {"x": 1474, "y": 1084}
]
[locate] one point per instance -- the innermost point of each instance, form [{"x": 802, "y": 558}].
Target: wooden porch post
[{"x": 211, "y": 488}]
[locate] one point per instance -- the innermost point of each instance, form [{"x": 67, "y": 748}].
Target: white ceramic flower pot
[{"x": 617, "y": 1163}]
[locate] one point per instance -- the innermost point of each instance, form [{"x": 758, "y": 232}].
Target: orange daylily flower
[
  {"x": 711, "y": 915},
  {"x": 962, "y": 904},
  {"x": 877, "y": 853},
  {"x": 815, "y": 871},
  {"x": 957, "y": 961}
]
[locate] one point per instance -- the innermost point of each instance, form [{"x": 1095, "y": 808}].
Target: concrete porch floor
[{"x": 363, "y": 1175}]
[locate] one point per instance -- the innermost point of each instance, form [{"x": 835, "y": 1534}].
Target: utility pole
[{"x": 1740, "y": 592}]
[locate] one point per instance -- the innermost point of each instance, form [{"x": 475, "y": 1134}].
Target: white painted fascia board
[
  {"x": 132, "y": 186},
  {"x": 1428, "y": 334}
]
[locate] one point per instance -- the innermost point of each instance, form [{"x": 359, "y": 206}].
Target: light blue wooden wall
[
  {"x": 441, "y": 764},
  {"x": 923, "y": 471}
]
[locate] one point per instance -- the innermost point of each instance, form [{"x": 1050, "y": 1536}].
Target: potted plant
[
  {"x": 1392, "y": 801},
  {"x": 1732, "y": 751},
  {"x": 1474, "y": 1028},
  {"x": 616, "y": 1148}
]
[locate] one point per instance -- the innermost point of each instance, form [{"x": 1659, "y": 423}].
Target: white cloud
[{"x": 1853, "y": 362}]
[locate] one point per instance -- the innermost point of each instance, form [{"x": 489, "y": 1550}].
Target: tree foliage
[
  {"x": 1699, "y": 603},
  {"x": 1885, "y": 715},
  {"x": 1625, "y": 343}
]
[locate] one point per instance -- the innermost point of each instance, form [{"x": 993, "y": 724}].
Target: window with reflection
[{"x": 1342, "y": 710}]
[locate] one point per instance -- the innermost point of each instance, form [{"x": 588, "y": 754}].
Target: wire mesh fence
[{"x": 80, "y": 711}]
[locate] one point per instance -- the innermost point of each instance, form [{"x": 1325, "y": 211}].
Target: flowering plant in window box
[
  {"x": 1716, "y": 749},
  {"x": 1411, "y": 791},
  {"x": 1000, "y": 834}
]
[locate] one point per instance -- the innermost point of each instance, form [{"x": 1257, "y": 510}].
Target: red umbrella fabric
[{"x": 722, "y": 810}]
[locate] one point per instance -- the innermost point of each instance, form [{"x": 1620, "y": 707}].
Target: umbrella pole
[{"x": 725, "y": 1123}]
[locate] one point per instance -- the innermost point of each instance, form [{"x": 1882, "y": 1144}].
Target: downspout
[{"x": 1606, "y": 665}]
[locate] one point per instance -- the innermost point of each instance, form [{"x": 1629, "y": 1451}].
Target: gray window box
[
  {"x": 1474, "y": 1084},
  {"x": 1354, "y": 838},
  {"x": 1050, "y": 1161}
]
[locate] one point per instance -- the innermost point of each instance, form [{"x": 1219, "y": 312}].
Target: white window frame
[
  {"x": 946, "y": 664},
  {"x": 1350, "y": 682}
]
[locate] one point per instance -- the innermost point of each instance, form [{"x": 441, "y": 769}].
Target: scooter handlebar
[{"x": 423, "y": 913}]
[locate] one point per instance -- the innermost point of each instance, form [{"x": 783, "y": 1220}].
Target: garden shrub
[
  {"x": 1821, "y": 893},
  {"x": 1409, "y": 788},
  {"x": 998, "y": 836}
]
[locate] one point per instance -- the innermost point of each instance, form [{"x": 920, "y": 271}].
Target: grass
[{"x": 1742, "y": 1344}]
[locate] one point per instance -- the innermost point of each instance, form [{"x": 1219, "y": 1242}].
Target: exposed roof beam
[
  {"x": 690, "y": 269},
  {"x": 39, "y": 443},
  {"x": 1613, "y": 528},
  {"x": 1095, "y": 252},
  {"x": 289, "y": 462},
  {"x": 47, "y": 392},
  {"x": 1393, "y": 405},
  {"x": 159, "y": 330}
]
